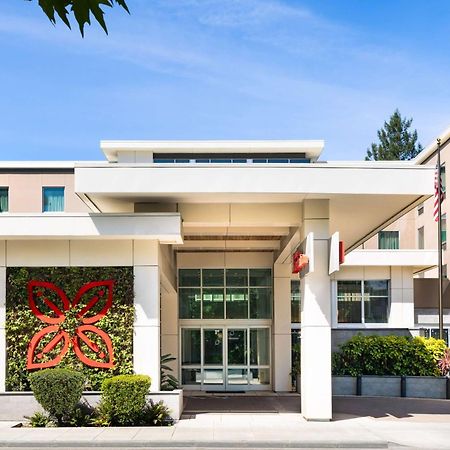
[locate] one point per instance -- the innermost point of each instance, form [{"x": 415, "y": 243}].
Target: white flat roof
[{"x": 311, "y": 148}]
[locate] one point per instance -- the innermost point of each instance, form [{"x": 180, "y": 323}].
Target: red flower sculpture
[{"x": 89, "y": 295}]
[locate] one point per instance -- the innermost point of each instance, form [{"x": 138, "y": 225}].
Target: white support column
[
  {"x": 316, "y": 318},
  {"x": 146, "y": 345},
  {"x": 282, "y": 327}
]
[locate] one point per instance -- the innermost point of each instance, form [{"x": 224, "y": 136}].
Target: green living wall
[{"x": 115, "y": 320}]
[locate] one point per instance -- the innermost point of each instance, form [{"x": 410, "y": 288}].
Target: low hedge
[
  {"x": 389, "y": 355},
  {"x": 58, "y": 391},
  {"x": 123, "y": 399}
]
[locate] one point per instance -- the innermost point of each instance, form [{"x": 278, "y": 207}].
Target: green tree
[
  {"x": 397, "y": 142},
  {"x": 81, "y": 9}
]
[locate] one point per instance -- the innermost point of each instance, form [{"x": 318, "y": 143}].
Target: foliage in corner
[
  {"x": 168, "y": 381},
  {"x": 396, "y": 142},
  {"x": 58, "y": 391},
  {"x": 81, "y": 9},
  {"x": 388, "y": 355},
  {"x": 22, "y": 324}
]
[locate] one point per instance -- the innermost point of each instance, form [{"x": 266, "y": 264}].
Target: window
[
  {"x": 363, "y": 301},
  {"x": 434, "y": 333},
  {"x": 225, "y": 293},
  {"x": 421, "y": 238},
  {"x": 295, "y": 301},
  {"x": 388, "y": 240},
  {"x": 444, "y": 271},
  {"x": 420, "y": 209},
  {"x": 4, "y": 199},
  {"x": 443, "y": 179},
  {"x": 52, "y": 199}
]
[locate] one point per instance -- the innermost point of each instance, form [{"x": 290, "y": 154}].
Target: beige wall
[{"x": 25, "y": 191}]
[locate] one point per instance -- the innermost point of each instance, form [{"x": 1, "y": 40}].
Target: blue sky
[{"x": 222, "y": 69}]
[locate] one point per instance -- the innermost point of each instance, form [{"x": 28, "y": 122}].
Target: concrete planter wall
[
  {"x": 426, "y": 387},
  {"x": 16, "y": 405},
  {"x": 391, "y": 386},
  {"x": 381, "y": 386}
]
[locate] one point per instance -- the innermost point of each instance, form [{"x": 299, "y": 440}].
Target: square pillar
[
  {"x": 282, "y": 328},
  {"x": 146, "y": 345},
  {"x": 316, "y": 318}
]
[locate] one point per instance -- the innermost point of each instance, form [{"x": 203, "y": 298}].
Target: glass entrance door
[{"x": 229, "y": 358}]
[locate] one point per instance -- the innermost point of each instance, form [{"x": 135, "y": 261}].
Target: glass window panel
[
  {"x": 349, "y": 287},
  {"x": 212, "y": 346},
  {"x": 4, "y": 200},
  {"x": 53, "y": 199},
  {"x": 260, "y": 277},
  {"x": 376, "y": 287},
  {"x": 388, "y": 240},
  {"x": 213, "y": 377},
  {"x": 435, "y": 334},
  {"x": 240, "y": 161},
  {"x": 259, "y": 346},
  {"x": 189, "y": 277},
  {"x": 182, "y": 161},
  {"x": 260, "y": 303},
  {"x": 295, "y": 301},
  {"x": 349, "y": 309},
  {"x": 376, "y": 309},
  {"x": 191, "y": 376},
  {"x": 259, "y": 376},
  {"x": 191, "y": 346},
  {"x": 213, "y": 303},
  {"x": 189, "y": 301},
  {"x": 213, "y": 277},
  {"x": 237, "y": 277},
  {"x": 237, "y": 347},
  {"x": 237, "y": 376},
  {"x": 237, "y": 303},
  {"x": 421, "y": 238}
]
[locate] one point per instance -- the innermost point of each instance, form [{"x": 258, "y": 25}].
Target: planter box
[
  {"x": 16, "y": 405},
  {"x": 344, "y": 385},
  {"x": 380, "y": 386},
  {"x": 426, "y": 387}
]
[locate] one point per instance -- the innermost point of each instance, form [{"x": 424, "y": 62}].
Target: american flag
[{"x": 437, "y": 188}]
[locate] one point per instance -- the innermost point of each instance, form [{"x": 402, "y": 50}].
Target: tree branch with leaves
[{"x": 81, "y": 10}]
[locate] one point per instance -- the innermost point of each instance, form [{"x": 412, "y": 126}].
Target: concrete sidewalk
[{"x": 359, "y": 423}]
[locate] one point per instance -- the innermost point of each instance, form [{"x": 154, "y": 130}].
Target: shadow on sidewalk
[{"x": 343, "y": 407}]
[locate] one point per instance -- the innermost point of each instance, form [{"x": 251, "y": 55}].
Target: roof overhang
[
  {"x": 418, "y": 259},
  {"x": 165, "y": 228},
  {"x": 311, "y": 148}
]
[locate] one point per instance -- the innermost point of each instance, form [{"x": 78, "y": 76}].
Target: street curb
[{"x": 196, "y": 444}]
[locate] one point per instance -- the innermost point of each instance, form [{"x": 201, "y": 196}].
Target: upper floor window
[
  {"x": 295, "y": 301},
  {"x": 421, "y": 238},
  {"x": 363, "y": 301},
  {"x": 420, "y": 209},
  {"x": 4, "y": 199},
  {"x": 444, "y": 230},
  {"x": 388, "y": 240},
  {"x": 443, "y": 179},
  {"x": 52, "y": 199}
]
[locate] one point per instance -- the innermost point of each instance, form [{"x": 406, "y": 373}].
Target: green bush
[
  {"x": 156, "y": 414},
  {"x": 39, "y": 420},
  {"x": 123, "y": 399},
  {"x": 388, "y": 355},
  {"x": 58, "y": 391}
]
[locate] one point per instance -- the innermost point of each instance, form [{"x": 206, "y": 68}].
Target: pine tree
[{"x": 396, "y": 141}]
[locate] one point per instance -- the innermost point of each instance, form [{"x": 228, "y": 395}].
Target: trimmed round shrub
[
  {"x": 58, "y": 391},
  {"x": 123, "y": 399},
  {"x": 388, "y": 355}
]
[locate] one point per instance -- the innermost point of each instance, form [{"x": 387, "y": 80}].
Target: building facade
[{"x": 209, "y": 230}]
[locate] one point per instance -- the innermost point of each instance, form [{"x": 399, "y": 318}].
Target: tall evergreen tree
[{"x": 396, "y": 141}]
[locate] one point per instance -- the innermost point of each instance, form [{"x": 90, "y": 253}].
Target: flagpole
[{"x": 439, "y": 189}]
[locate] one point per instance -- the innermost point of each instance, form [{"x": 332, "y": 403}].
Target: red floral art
[{"x": 89, "y": 295}]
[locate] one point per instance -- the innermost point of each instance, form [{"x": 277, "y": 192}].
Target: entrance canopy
[{"x": 261, "y": 203}]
